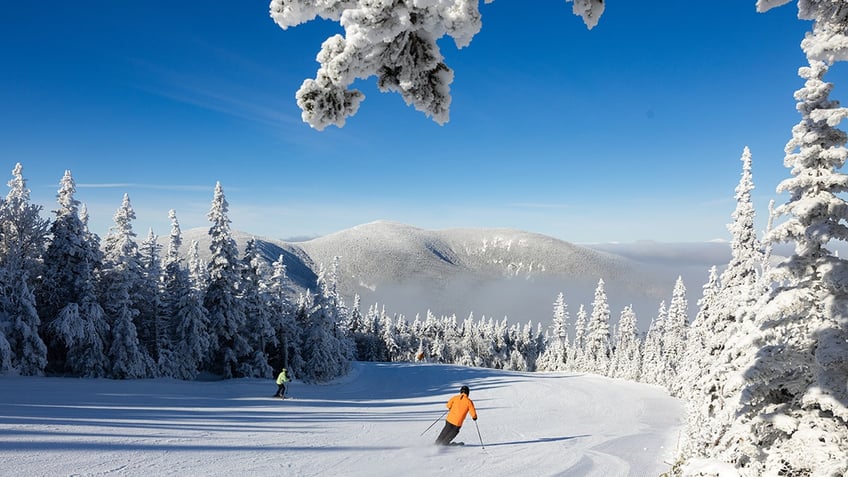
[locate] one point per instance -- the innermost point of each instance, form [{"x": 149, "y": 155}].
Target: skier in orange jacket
[{"x": 459, "y": 405}]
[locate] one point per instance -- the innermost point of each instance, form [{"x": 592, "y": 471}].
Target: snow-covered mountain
[{"x": 491, "y": 272}]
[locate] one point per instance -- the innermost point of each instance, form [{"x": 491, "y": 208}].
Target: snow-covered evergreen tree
[
  {"x": 19, "y": 322},
  {"x": 627, "y": 355},
  {"x": 726, "y": 304},
  {"x": 389, "y": 337},
  {"x": 699, "y": 332},
  {"x": 368, "y": 343},
  {"x": 282, "y": 319},
  {"x": 789, "y": 389},
  {"x": 327, "y": 349},
  {"x": 76, "y": 333},
  {"x": 226, "y": 313},
  {"x": 151, "y": 318},
  {"x": 22, "y": 238},
  {"x": 556, "y": 352},
  {"x": 652, "y": 349},
  {"x": 23, "y": 232},
  {"x": 694, "y": 358},
  {"x": 674, "y": 338},
  {"x": 121, "y": 279},
  {"x": 198, "y": 271},
  {"x": 256, "y": 301},
  {"x": 65, "y": 293},
  {"x": 768, "y": 247},
  {"x": 597, "y": 352},
  {"x": 577, "y": 352},
  {"x": 186, "y": 320},
  {"x": 531, "y": 344}
]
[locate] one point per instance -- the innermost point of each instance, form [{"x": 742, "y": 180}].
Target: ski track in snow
[{"x": 368, "y": 423}]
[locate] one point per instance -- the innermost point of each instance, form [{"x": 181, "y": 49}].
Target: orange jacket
[{"x": 460, "y": 405}]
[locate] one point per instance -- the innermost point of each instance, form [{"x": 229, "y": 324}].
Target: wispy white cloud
[
  {"x": 218, "y": 93},
  {"x": 131, "y": 185},
  {"x": 539, "y": 205}
]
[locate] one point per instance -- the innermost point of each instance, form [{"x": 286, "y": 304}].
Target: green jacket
[{"x": 282, "y": 378}]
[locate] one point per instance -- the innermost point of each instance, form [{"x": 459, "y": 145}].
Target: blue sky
[{"x": 631, "y": 131}]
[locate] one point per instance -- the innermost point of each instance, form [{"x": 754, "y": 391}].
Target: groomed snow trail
[{"x": 366, "y": 424}]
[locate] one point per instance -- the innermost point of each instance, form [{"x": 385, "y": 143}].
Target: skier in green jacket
[{"x": 282, "y": 379}]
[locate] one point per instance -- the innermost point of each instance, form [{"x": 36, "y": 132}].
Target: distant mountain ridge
[{"x": 493, "y": 272}]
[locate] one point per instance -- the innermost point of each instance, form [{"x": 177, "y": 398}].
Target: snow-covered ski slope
[{"x": 366, "y": 424}]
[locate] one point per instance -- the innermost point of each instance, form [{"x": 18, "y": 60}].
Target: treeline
[
  {"x": 73, "y": 305},
  {"x": 597, "y": 346}
]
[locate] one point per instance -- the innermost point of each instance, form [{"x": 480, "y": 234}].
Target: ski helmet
[{"x": 464, "y": 390}]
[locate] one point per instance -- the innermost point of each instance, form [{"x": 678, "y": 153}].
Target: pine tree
[
  {"x": 258, "y": 330},
  {"x": 151, "y": 318},
  {"x": 788, "y": 392},
  {"x": 75, "y": 331},
  {"x": 22, "y": 238},
  {"x": 221, "y": 300},
  {"x": 23, "y": 232},
  {"x": 556, "y": 352},
  {"x": 577, "y": 358},
  {"x": 674, "y": 338},
  {"x": 326, "y": 348},
  {"x": 652, "y": 349},
  {"x": 121, "y": 279},
  {"x": 699, "y": 332},
  {"x": 598, "y": 333},
  {"x": 389, "y": 337},
  {"x": 73, "y": 324},
  {"x": 727, "y": 304},
  {"x": 627, "y": 357},
  {"x": 693, "y": 375},
  {"x": 282, "y": 317},
  {"x": 198, "y": 271},
  {"x": 185, "y": 319},
  {"x": 19, "y": 322}
]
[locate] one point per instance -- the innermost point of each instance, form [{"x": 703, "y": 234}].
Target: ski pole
[
  {"x": 434, "y": 422},
  {"x": 478, "y": 434}
]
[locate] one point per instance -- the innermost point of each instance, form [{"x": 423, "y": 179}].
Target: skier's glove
[{"x": 474, "y": 418}]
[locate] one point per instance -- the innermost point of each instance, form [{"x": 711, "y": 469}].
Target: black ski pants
[
  {"x": 281, "y": 389},
  {"x": 448, "y": 433}
]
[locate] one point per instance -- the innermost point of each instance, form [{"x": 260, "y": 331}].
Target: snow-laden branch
[{"x": 394, "y": 40}]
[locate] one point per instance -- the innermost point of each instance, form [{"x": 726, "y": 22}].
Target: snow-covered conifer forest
[{"x": 762, "y": 365}]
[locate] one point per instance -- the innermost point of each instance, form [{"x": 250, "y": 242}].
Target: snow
[{"x": 369, "y": 423}]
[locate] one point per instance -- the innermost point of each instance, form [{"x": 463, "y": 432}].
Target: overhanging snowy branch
[{"x": 394, "y": 40}]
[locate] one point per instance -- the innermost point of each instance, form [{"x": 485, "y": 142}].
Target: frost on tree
[
  {"x": 22, "y": 237},
  {"x": 254, "y": 296},
  {"x": 674, "y": 337},
  {"x": 627, "y": 357},
  {"x": 556, "y": 351},
  {"x": 72, "y": 319},
  {"x": 229, "y": 348},
  {"x": 394, "y": 40},
  {"x": 597, "y": 351},
  {"x": 789, "y": 390},
  {"x": 187, "y": 326},
  {"x": 726, "y": 309},
  {"x": 121, "y": 278}
]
